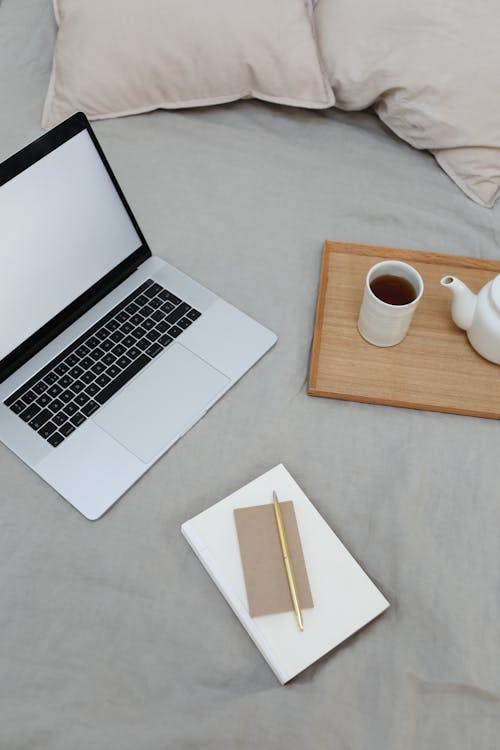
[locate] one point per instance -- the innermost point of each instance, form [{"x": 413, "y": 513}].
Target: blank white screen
[{"x": 62, "y": 228}]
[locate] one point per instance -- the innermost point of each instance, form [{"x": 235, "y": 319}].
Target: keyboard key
[
  {"x": 122, "y": 316},
  {"x": 122, "y": 378},
  {"x": 153, "y": 350},
  {"x": 66, "y": 396},
  {"x": 70, "y": 409},
  {"x": 43, "y": 400},
  {"x": 148, "y": 324},
  {"x": 87, "y": 363},
  {"x": 97, "y": 354},
  {"x": 50, "y": 378},
  {"x": 153, "y": 290},
  {"x": 165, "y": 340},
  {"x": 101, "y": 334},
  {"x": 30, "y": 396},
  {"x": 184, "y": 323},
  {"x": 82, "y": 399},
  {"x": 163, "y": 295},
  {"x": 77, "y": 386},
  {"x": 179, "y": 312},
  {"x": 98, "y": 368},
  {"x": 123, "y": 362},
  {"x": 61, "y": 369},
  {"x": 147, "y": 310},
  {"x": 113, "y": 371},
  {"x": 139, "y": 332},
  {"x": 78, "y": 419},
  {"x": 143, "y": 344},
  {"x": 71, "y": 361},
  {"x": 40, "y": 387},
  {"x": 90, "y": 408},
  {"x": 132, "y": 308},
  {"x": 40, "y": 419},
  {"x": 88, "y": 376},
  {"x": 133, "y": 352},
  {"x": 162, "y": 326},
  {"x": 127, "y": 327},
  {"x": 153, "y": 335},
  {"x": 75, "y": 372},
  {"x": 168, "y": 307},
  {"x": 59, "y": 418},
  {"x": 103, "y": 380},
  {"x": 155, "y": 303},
  {"x": 193, "y": 314},
  {"x": 109, "y": 358},
  {"x": 136, "y": 320},
  {"x": 53, "y": 391},
  {"x": 92, "y": 389},
  {"x": 56, "y": 439},
  {"x": 173, "y": 299},
  {"x": 56, "y": 405},
  {"x": 47, "y": 429},
  {"x": 18, "y": 406},
  {"x": 65, "y": 381},
  {"x": 175, "y": 331},
  {"x": 157, "y": 315},
  {"x": 67, "y": 429},
  {"x": 141, "y": 300},
  {"x": 128, "y": 341},
  {"x": 107, "y": 345},
  {"x": 28, "y": 414},
  {"x": 92, "y": 342},
  {"x": 118, "y": 350},
  {"x": 112, "y": 325},
  {"x": 117, "y": 336},
  {"x": 82, "y": 351}
]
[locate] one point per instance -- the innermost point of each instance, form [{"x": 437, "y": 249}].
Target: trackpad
[{"x": 166, "y": 398}]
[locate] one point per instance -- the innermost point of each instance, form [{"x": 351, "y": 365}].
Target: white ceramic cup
[{"x": 379, "y": 322}]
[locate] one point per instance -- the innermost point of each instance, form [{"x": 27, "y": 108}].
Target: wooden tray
[{"x": 434, "y": 368}]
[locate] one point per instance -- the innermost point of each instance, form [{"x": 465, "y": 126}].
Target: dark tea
[{"x": 393, "y": 289}]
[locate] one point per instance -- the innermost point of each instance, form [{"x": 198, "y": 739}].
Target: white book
[{"x": 344, "y": 597}]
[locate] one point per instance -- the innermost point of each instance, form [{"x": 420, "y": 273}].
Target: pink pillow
[{"x": 122, "y": 57}]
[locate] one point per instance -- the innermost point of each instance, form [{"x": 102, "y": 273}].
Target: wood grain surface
[{"x": 434, "y": 368}]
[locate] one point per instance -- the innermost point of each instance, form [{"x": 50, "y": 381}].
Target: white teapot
[{"x": 478, "y": 315}]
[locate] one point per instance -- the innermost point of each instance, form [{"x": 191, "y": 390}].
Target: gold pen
[{"x": 288, "y": 563}]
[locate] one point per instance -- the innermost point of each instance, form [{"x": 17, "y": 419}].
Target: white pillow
[
  {"x": 432, "y": 71},
  {"x": 121, "y": 57}
]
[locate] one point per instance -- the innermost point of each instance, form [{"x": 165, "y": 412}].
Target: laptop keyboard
[{"x": 67, "y": 391}]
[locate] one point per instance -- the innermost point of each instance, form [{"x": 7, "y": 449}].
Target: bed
[{"x": 113, "y": 636}]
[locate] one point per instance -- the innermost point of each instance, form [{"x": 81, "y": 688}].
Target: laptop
[{"x": 108, "y": 354}]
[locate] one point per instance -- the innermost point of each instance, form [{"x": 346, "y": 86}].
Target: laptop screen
[{"x": 63, "y": 227}]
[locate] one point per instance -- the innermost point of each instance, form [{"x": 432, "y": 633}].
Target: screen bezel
[{"x": 16, "y": 164}]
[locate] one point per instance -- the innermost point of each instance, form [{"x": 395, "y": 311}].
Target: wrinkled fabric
[
  {"x": 122, "y": 57},
  {"x": 430, "y": 69},
  {"x": 112, "y": 634}
]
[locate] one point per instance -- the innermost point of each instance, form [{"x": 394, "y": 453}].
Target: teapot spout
[{"x": 463, "y": 304}]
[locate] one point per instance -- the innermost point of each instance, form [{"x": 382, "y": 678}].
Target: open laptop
[{"x": 108, "y": 355}]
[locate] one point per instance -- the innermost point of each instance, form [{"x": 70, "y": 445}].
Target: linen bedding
[{"x": 112, "y": 635}]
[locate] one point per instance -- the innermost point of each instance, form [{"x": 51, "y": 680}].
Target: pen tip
[{"x": 275, "y": 496}]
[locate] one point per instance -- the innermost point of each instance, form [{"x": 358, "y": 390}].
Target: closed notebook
[{"x": 344, "y": 597}]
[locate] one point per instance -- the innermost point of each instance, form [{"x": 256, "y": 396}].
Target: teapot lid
[{"x": 495, "y": 293}]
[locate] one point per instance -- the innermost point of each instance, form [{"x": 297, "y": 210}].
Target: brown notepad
[{"x": 265, "y": 577}]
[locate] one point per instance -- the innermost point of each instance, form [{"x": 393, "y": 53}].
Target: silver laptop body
[{"x": 108, "y": 355}]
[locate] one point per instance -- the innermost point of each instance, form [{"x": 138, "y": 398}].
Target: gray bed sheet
[{"x": 111, "y": 633}]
